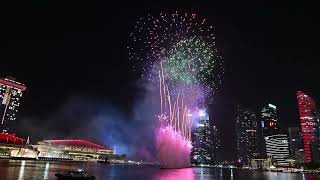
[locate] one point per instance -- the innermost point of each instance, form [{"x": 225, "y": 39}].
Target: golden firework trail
[{"x": 174, "y": 112}]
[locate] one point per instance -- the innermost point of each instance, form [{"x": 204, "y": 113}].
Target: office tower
[
  {"x": 269, "y": 125},
  {"x": 269, "y": 120},
  {"x": 278, "y": 148},
  {"x": 216, "y": 144},
  {"x": 317, "y": 124},
  {"x": 202, "y": 141},
  {"x": 10, "y": 98},
  {"x": 296, "y": 144},
  {"x": 307, "y": 110},
  {"x": 247, "y": 135}
]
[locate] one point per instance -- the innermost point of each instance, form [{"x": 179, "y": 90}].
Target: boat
[
  {"x": 106, "y": 161},
  {"x": 78, "y": 174},
  {"x": 24, "y": 153}
]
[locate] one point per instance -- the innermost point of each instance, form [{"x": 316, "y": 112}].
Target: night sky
[{"x": 74, "y": 61}]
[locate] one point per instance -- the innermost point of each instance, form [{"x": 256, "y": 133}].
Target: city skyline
[{"x": 87, "y": 64}]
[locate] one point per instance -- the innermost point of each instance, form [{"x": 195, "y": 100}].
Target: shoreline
[{"x": 280, "y": 170}]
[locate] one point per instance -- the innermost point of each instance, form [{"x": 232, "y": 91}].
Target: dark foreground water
[{"x": 16, "y": 169}]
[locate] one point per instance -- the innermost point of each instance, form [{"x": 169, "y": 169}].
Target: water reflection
[
  {"x": 173, "y": 174},
  {"x": 46, "y": 171},
  {"x": 14, "y": 169},
  {"x": 21, "y": 171},
  {"x": 231, "y": 174}
]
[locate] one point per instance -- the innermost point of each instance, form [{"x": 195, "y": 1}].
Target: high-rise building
[
  {"x": 216, "y": 144},
  {"x": 202, "y": 141},
  {"x": 10, "y": 98},
  {"x": 278, "y": 148},
  {"x": 247, "y": 135},
  {"x": 317, "y": 122},
  {"x": 296, "y": 144},
  {"x": 269, "y": 125},
  {"x": 315, "y": 147},
  {"x": 307, "y": 110},
  {"x": 269, "y": 120}
]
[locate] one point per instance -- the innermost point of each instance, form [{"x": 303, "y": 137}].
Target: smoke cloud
[{"x": 89, "y": 118}]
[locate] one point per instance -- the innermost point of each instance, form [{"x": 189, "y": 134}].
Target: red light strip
[
  {"x": 22, "y": 88},
  {"x": 77, "y": 143}
]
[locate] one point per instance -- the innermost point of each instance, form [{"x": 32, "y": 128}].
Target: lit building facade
[
  {"x": 73, "y": 150},
  {"x": 247, "y": 135},
  {"x": 307, "y": 110},
  {"x": 269, "y": 120},
  {"x": 269, "y": 125},
  {"x": 316, "y": 146},
  {"x": 10, "y": 98},
  {"x": 202, "y": 141},
  {"x": 278, "y": 148},
  {"x": 296, "y": 144}
]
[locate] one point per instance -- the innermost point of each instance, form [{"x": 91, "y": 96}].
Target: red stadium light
[
  {"x": 77, "y": 143},
  {"x": 11, "y": 139}
]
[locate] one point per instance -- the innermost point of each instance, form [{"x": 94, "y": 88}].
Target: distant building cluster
[{"x": 259, "y": 137}]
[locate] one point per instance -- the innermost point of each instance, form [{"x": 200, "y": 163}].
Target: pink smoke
[{"x": 173, "y": 149}]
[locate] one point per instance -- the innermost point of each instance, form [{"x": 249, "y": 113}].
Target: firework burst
[
  {"x": 192, "y": 61},
  {"x": 184, "y": 41}
]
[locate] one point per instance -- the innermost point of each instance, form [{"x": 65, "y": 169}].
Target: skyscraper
[
  {"x": 247, "y": 135},
  {"x": 202, "y": 141},
  {"x": 216, "y": 144},
  {"x": 10, "y": 97},
  {"x": 317, "y": 124},
  {"x": 269, "y": 125},
  {"x": 269, "y": 120},
  {"x": 296, "y": 144},
  {"x": 307, "y": 109},
  {"x": 278, "y": 148}
]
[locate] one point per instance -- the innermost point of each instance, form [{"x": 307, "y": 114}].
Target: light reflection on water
[
  {"x": 14, "y": 169},
  {"x": 46, "y": 171},
  {"x": 231, "y": 174},
  {"x": 21, "y": 171},
  {"x": 169, "y": 174}
]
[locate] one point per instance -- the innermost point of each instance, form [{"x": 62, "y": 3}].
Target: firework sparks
[
  {"x": 174, "y": 116},
  {"x": 184, "y": 41}
]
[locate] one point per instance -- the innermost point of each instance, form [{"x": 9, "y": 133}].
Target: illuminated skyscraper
[
  {"x": 10, "y": 97},
  {"x": 216, "y": 144},
  {"x": 203, "y": 151},
  {"x": 307, "y": 110},
  {"x": 296, "y": 144},
  {"x": 269, "y": 125},
  {"x": 269, "y": 120},
  {"x": 247, "y": 135}
]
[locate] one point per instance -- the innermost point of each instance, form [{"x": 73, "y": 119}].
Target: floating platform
[
  {"x": 54, "y": 159},
  {"x": 23, "y": 158}
]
